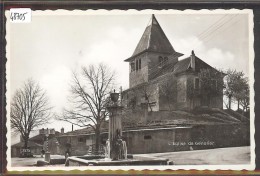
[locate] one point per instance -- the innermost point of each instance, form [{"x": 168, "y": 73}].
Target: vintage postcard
[{"x": 151, "y": 89}]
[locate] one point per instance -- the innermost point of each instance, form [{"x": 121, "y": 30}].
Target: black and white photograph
[{"x": 161, "y": 89}]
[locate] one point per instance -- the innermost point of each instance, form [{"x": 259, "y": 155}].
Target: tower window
[
  {"x": 132, "y": 66},
  {"x": 162, "y": 61},
  {"x": 137, "y": 64},
  {"x": 165, "y": 59}
]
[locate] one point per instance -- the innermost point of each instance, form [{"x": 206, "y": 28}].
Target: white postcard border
[{"x": 250, "y": 166}]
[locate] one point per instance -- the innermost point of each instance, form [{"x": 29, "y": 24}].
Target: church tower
[{"x": 153, "y": 52}]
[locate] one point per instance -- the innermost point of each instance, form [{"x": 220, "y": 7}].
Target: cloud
[
  {"x": 219, "y": 58},
  {"x": 186, "y": 45},
  {"x": 56, "y": 84},
  {"x": 216, "y": 57},
  {"x": 112, "y": 50},
  {"x": 117, "y": 33}
]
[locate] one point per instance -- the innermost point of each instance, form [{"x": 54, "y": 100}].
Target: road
[
  {"x": 20, "y": 162},
  {"x": 223, "y": 156}
]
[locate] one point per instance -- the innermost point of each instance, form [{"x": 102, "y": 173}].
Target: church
[
  {"x": 171, "y": 105},
  {"x": 156, "y": 75}
]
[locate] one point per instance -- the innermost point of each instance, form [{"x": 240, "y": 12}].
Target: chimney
[
  {"x": 192, "y": 60},
  {"x": 62, "y": 130},
  {"x": 72, "y": 127}
]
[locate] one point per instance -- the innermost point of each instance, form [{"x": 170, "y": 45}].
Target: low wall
[
  {"x": 183, "y": 139},
  {"x": 225, "y": 135}
]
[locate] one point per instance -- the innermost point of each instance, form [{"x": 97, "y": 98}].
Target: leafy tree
[
  {"x": 235, "y": 84},
  {"x": 242, "y": 92},
  {"x": 29, "y": 109},
  {"x": 244, "y": 98},
  {"x": 90, "y": 94}
]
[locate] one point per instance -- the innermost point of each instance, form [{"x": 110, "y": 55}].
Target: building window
[
  {"x": 136, "y": 64},
  {"x": 165, "y": 60},
  {"x": 147, "y": 137},
  {"x": 80, "y": 139},
  {"x": 196, "y": 83},
  {"x": 162, "y": 61},
  {"x": 132, "y": 66}
]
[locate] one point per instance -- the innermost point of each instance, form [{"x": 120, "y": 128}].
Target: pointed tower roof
[{"x": 154, "y": 39}]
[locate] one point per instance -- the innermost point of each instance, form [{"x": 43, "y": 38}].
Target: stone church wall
[
  {"x": 150, "y": 65},
  {"x": 185, "y": 98},
  {"x": 133, "y": 98},
  {"x": 139, "y": 76},
  {"x": 167, "y": 92},
  {"x": 154, "y": 63},
  {"x": 182, "y": 92}
]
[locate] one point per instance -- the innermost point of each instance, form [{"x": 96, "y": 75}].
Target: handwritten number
[{"x": 18, "y": 16}]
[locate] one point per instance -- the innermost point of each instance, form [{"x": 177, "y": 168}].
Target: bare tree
[
  {"x": 89, "y": 98},
  {"x": 29, "y": 109},
  {"x": 146, "y": 94},
  {"x": 142, "y": 89}
]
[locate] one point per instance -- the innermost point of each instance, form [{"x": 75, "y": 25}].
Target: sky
[{"x": 52, "y": 46}]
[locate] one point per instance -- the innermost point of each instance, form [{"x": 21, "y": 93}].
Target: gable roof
[
  {"x": 154, "y": 39},
  {"x": 192, "y": 62},
  {"x": 181, "y": 65},
  {"x": 86, "y": 130},
  {"x": 184, "y": 65},
  {"x": 40, "y": 137},
  {"x": 30, "y": 144}
]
